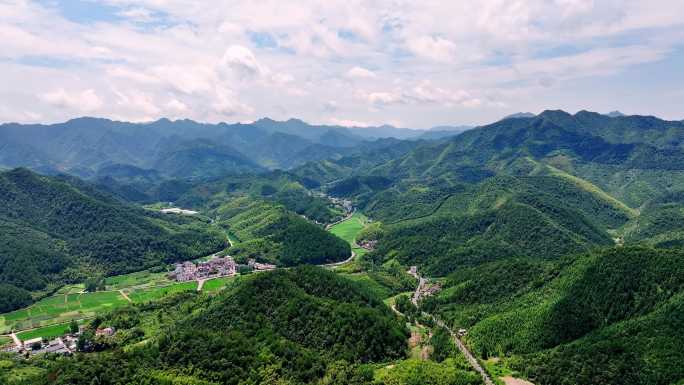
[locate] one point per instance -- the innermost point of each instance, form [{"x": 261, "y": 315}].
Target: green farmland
[
  {"x": 155, "y": 293},
  {"x": 216, "y": 284},
  {"x": 140, "y": 278},
  {"x": 348, "y": 230},
  {"x": 51, "y": 331},
  {"x": 59, "y": 309}
]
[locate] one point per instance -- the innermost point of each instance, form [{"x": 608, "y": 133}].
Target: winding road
[{"x": 461, "y": 346}]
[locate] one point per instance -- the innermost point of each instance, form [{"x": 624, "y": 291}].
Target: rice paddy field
[{"x": 50, "y": 316}]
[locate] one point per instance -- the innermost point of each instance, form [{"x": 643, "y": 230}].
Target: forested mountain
[
  {"x": 606, "y": 317},
  {"x": 302, "y": 326},
  {"x": 88, "y": 147},
  {"x": 57, "y": 230},
  {"x": 538, "y": 186},
  {"x": 270, "y": 233}
]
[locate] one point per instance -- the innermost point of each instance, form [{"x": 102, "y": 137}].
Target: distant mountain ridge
[{"x": 87, "y": 146}]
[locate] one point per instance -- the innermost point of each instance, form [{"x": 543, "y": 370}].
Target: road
[
  {"x": 123, "y": 294},
  {"x": 338, "y": 264},
  {"x": 468, "y": 355},
  {"x": 16, "y": 340},
  {"x": 461, "y": 346}
]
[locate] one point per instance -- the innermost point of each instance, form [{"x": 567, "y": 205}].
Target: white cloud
[
  {"x": 137, "y": 14},
  {"x": 83, "y": 101},
  {"x": 360, "y": 72},
  {"x": 435, "y": 48},
  {"x": 432, "y": 61},
  {"x": 242, "y": 61}
]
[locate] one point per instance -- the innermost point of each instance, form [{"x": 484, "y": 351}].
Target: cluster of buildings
[
  {"x": 368, "y": 245},
  {"x": 176, "y": 210},
  {"x": 66, "y": 344},
  {"x": 346, "y": 204},
  {"x": 254, "y": 265},
  {"x": 215, "y": 267}
]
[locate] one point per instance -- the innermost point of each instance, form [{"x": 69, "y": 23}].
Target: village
[
  {"x": 213, "y": 268},
  {"x": 66, "y": 344}
]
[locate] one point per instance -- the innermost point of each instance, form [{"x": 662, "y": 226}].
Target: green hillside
[
  {"x": 58, "y": 230},
  {"x": 607, "y": 317},
  {"x": 284, "y": 327},
  {"x": 270, "y": 233}
]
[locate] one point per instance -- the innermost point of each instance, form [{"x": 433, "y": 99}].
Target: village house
[
  {"x": 254, "y": 265},
  {"x": 106, "y": 332},
  {"x": 215, "y": 267}
]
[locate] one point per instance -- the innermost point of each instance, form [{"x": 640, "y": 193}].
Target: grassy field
[
  {"x": 155, "y": 293},
  {"x": 140, "y": 278},
  {"x": 389, "y": 301},
  {"x": 348, "y": 230},
  {"x": 217, "y": 284},
  {"x": 59, "y": 309},
  {"x": 4, "y": 340},
  {"x": 46, "y": 332}
]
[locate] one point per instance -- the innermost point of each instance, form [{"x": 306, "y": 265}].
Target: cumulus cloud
[
  {"x": 360, "y": 72},
  {"x": 241, "y": 60},
  {"x": 83, "y": 101},
  {"x": 376, "y": 60}
]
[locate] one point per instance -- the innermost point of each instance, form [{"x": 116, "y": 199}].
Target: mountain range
[{"x": 92, "y": 147}]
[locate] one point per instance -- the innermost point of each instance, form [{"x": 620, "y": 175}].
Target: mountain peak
[
  {"x": 615, "y": 114},
  {"x": 519, "y": 115}
]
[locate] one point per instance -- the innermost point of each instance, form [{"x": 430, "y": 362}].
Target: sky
[{"x": 411, "y": 64}]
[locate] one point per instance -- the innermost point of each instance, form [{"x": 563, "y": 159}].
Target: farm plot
[{"x": 60, "y": 309}]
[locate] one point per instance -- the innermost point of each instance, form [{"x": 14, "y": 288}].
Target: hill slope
[
  {"x": 302, "y": 326},
  {"x": 57, "y": 230},
  {"x": 607, "y": 317}
]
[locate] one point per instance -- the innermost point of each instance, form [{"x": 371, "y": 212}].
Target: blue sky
[{"x": 353, "y": 62}]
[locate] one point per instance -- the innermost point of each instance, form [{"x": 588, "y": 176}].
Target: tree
[{"x": 73, "y": 327}]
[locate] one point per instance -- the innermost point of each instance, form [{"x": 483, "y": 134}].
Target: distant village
[{"x": 213, "y": 268}]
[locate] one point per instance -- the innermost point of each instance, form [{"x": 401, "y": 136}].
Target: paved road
[
  {"x": 468, "y": 355},
  {"x": 338, "y": 264}
]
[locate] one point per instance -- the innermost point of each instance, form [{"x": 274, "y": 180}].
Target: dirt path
[
  {"x": 16, "y": 340},
  {"x": 200, "y": 283},
  {"x": 508, "y": 380},
  {"x": 123, "y": 294}
]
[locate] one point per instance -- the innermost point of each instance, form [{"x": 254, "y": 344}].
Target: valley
[{"x": 528, "y": 252}]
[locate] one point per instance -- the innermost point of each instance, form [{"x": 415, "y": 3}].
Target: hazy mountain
[
  {"x": 615, "y": 114},
  {"x": 439, "y": 132},
  {"x": 520, "y": 115},
  {"x": 86, "y": 146}
]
